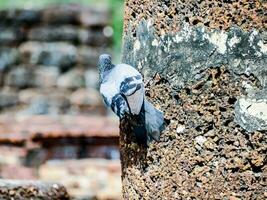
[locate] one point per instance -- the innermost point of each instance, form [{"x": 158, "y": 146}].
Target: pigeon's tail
[
  {"x": 148, "y": 125},
  {"x": 154, "y": 122},
  {"x": 139, "y": 127}
]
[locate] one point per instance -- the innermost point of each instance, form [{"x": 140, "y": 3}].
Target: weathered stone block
[
  {"x": 46, "y": 76},
  {"x": 20, "y": 77},
  {"x": 94, "y": 37},
  {"x": 90, "y": 17},
  {"x": 86, "y": 97},
  {"x": 91, "y": 78},
  {"x": 59, "y": 102},
  {"x": 18, "y": 189},
  {"x": 38, "y": 106},
  {"x": 88, "y": 56},
  {"x": 72, "y": 79},
  {"x": 19, "y": 16},
  {"x": 26, "y": 95},
  {"x": 86, "y": 178},
  {"x": 59, "y": 54},
  {"x": 8, "y": 57},
  {"x": 55, "y": 33},
  {"x": 44, "y": 101},
  {"x": 8, "y": 98},
  {"x": 67, "y": 14},
  {"x": 10, "y": 36}
]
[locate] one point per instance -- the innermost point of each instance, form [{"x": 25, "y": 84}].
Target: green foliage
[{"x": 117, "y": 7}]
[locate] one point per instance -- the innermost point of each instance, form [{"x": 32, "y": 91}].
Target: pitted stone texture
[
  {"x": 18, "y": 189},
  {"x": 212, "y": 158},
  {"x": 197, "y": 73},
  {"x": 223, "y": 14}
]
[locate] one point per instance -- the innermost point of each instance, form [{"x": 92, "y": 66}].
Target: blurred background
[{"x": 53, "y": 124}]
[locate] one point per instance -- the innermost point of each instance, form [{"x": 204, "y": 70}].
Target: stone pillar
[{"x": 205, "y": 67}]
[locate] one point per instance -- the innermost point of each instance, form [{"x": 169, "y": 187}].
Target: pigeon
[{"x": 123, "y": 91}]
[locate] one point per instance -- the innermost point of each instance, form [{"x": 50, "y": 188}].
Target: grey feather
[
  {"x": 135, "y": 100},
  {"x": 154, "y": 121}
]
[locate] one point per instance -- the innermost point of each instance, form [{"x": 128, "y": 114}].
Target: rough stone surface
[
  {"x": 212, "y": 158},
  {"x": 182, "y": 56},
  {"x": 168, "y": 15},
  {"x": 17, "y": 189},
  {"x": 210, "y": 82}
]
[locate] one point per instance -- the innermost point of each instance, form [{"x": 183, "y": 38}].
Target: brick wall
[
  {"x": 50, "y": 107},
  {"x": 48, "y": 59}
]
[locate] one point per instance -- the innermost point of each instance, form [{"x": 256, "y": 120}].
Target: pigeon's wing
[
  {"x": 132, "y": 88},
  {"x": 107, "y": 103},
  {"x": 119, "y": 105},
  {"x": 114, "y": 99}
]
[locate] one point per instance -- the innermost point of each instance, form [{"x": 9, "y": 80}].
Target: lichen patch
[
  {"x": 263, "y": 47},
  {"x": 219, "y": 40}
]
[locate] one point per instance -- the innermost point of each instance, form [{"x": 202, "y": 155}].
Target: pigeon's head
[{"x": 104, "y": 64}]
